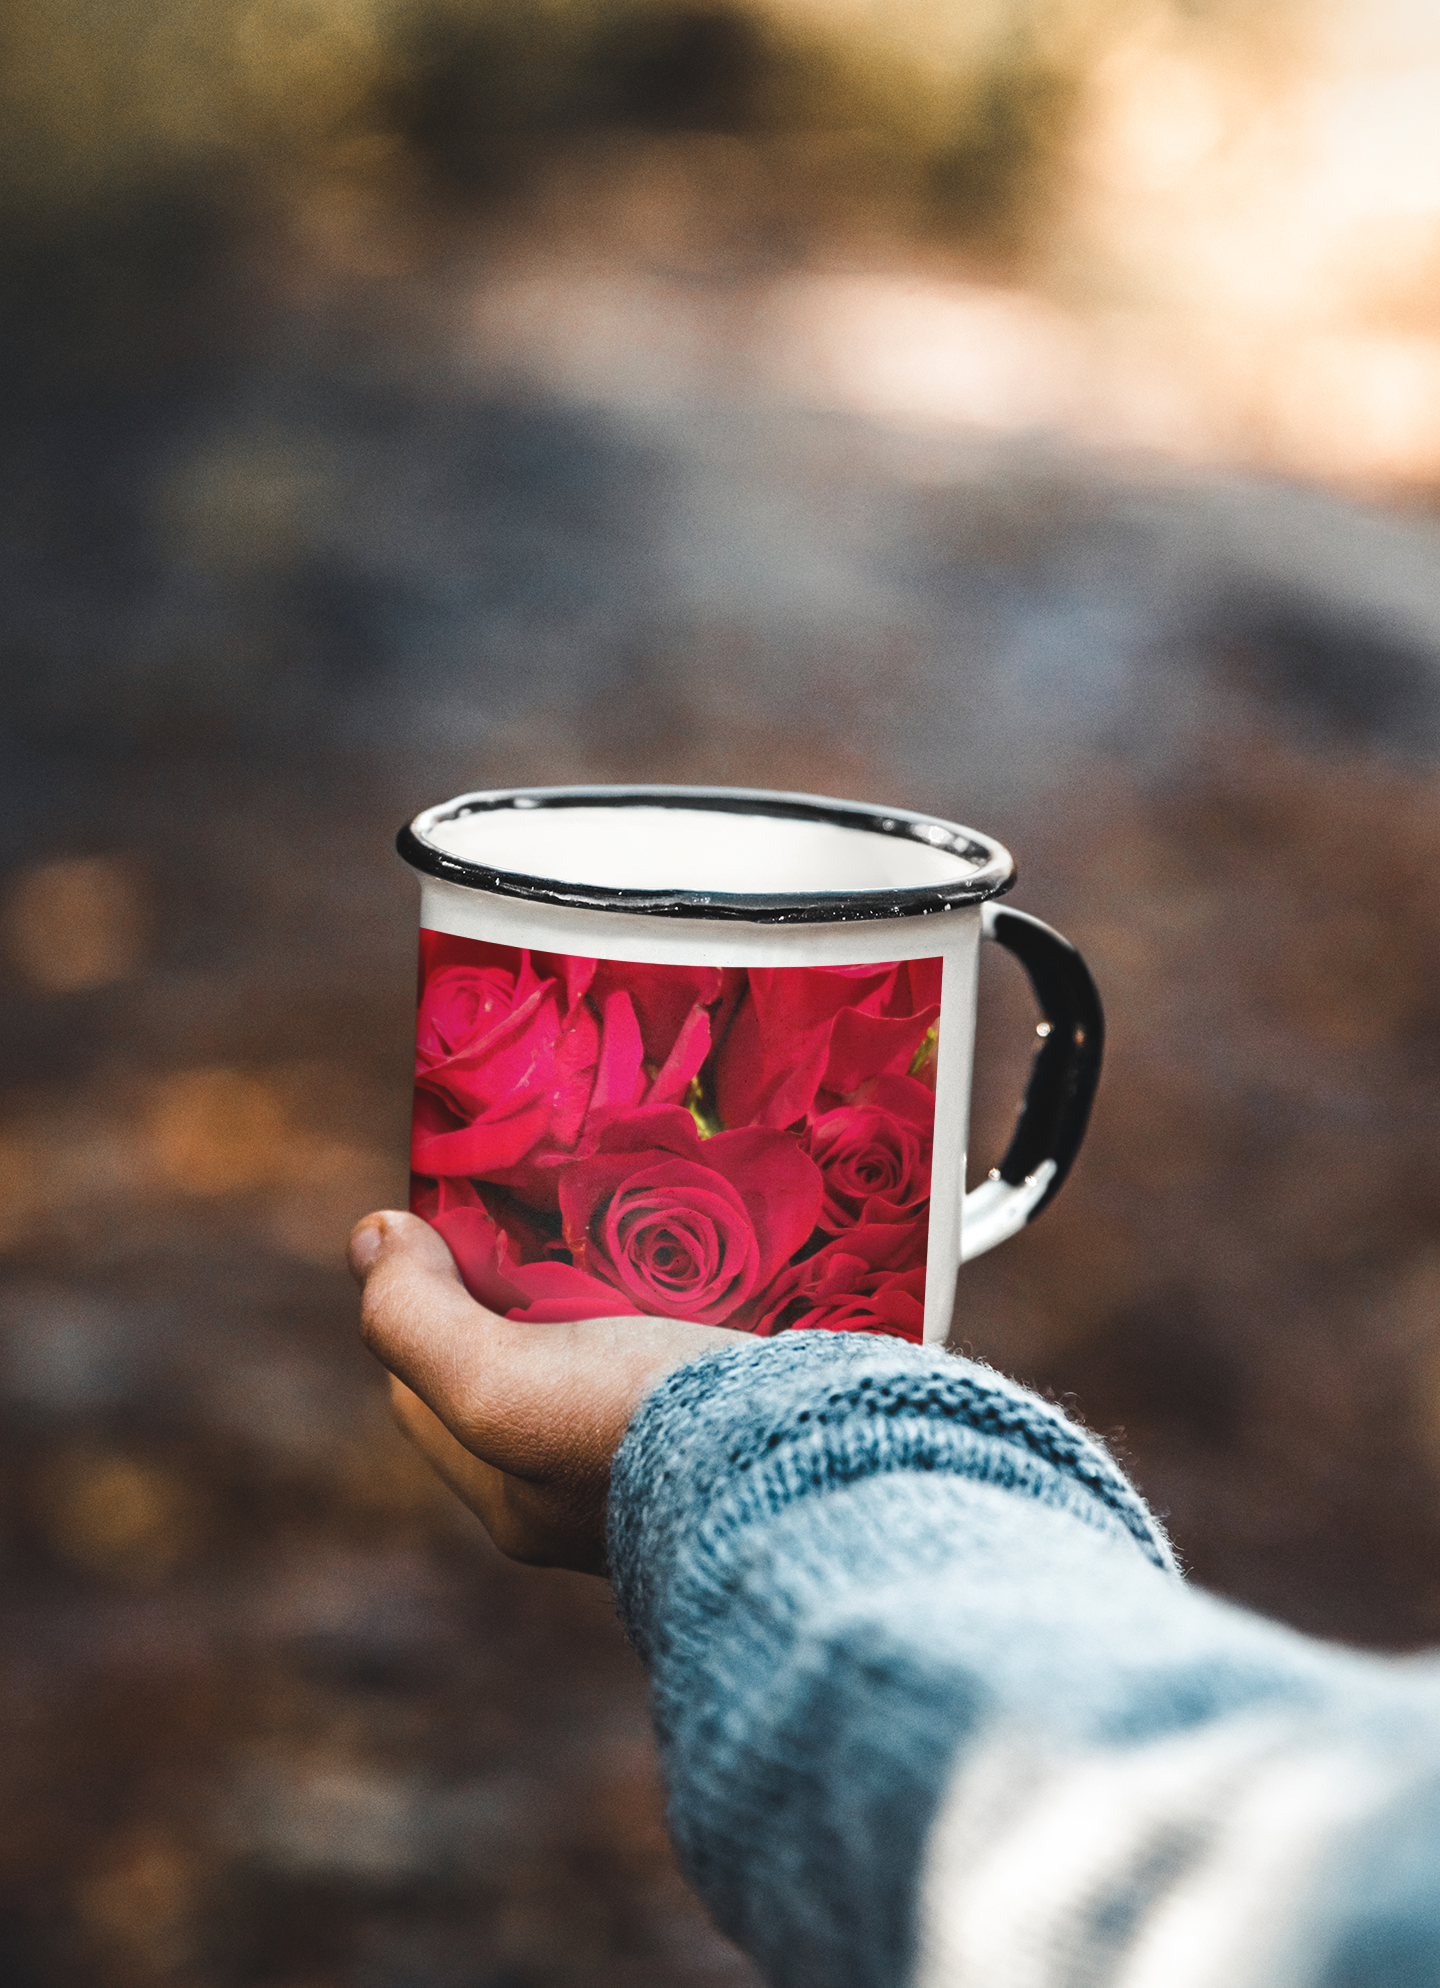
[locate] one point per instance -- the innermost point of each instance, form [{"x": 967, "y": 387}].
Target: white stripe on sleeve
[{"x": 1183, "y": 1863}]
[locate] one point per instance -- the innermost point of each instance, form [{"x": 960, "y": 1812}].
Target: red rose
[
  {"x": 522, "y": 1057},
  {"x": 871, "y": 1279},
  {"x": 875, "y": 1154},
  {"x": 808, "y": 1034},
  {"x": 506, "y": 1054},
  {"x": 688, "y": 1227},
  {"x": 890, "y": 1302}
]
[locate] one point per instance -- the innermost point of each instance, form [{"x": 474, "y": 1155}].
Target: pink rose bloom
[
  {"x": 870, "y": 1279},
  {"x": 522, "y": 1057},
  {"x": 875, "y": 1155},
  {"x": 890, "y": 1302},
  {"x": 689, "y": 1227}
]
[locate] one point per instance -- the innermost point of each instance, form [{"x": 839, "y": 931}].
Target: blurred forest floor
[{"x": 400, "y": 403}]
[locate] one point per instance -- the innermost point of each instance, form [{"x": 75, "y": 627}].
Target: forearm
[{"x": 892, "y": 1607}]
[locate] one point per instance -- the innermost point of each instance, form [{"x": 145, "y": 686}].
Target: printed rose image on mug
[{"x": 747, "y": 1147}]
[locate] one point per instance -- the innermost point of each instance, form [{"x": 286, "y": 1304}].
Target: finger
[
  {"x": 540, "y": 1528},
  {"x": 472, "y": 1480},
  {"x": 416, "y": 1317}
]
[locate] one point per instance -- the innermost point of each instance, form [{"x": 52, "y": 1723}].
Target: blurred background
[{"x": 1026, "y": 410}]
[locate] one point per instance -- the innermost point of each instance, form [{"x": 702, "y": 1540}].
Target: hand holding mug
[{"x": 522, "y": 1421}]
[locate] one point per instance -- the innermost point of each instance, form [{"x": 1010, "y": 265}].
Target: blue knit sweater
[{"x": 936, "y": 1708}]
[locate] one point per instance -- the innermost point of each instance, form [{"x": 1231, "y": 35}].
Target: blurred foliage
[
  {"x": 105, "y": 101},
  {"x": 152, "y": 156}
]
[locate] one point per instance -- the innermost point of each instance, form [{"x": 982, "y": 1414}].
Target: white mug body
[{"x": 651, "y": 1018}]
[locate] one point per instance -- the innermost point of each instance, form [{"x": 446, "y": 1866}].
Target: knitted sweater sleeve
[{"x": 935, "y": 1706}]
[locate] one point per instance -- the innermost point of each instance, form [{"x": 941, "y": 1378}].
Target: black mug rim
[{"x": 993, "y": 876}]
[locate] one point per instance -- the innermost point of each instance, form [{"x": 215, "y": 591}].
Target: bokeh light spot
[
  {"x": 76, "y": 923},
  {"x": 218, "y": 1131},
  {"x": 117, "y": 1516}
]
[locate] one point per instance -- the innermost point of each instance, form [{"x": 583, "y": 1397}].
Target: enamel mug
[{"x": 706, "y": 1053}]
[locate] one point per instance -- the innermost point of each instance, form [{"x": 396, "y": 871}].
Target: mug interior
[{"x": 636, "y": 847}]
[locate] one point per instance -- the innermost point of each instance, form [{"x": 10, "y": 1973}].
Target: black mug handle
[{"x": 1056, "y": 1110}]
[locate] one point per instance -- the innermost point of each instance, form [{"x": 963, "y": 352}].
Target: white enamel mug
[{"x": 706, "y": 1053}]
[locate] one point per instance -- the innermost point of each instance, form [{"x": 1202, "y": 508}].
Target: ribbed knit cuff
[{"x": 739, "y": 1435}]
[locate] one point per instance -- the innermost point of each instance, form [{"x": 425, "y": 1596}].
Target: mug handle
[{"x": 1062, "y": 1083}]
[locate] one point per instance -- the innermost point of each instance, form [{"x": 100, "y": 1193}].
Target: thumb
[
  {"x": 542, "y": 1401},
  {"x": 535, "y": 1400},
  {"x": 418, "y": 1319}
]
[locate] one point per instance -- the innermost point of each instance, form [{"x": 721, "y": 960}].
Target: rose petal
[
  {"x": 691, "y": 1047},
  {"x": 573, "y": 970},
  {"x": 441, "y": 1146},
  {"x": 618, "y": 1080},
  {"x": 482, "y": 1253},
  {"x": 801, "y": 1030},
  {"x": 664, "y": 998},
  {"x": 779, "y": 1183},
  {"x": 865, "y": 1046},
  {"x": 554, "y": 1292}
]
